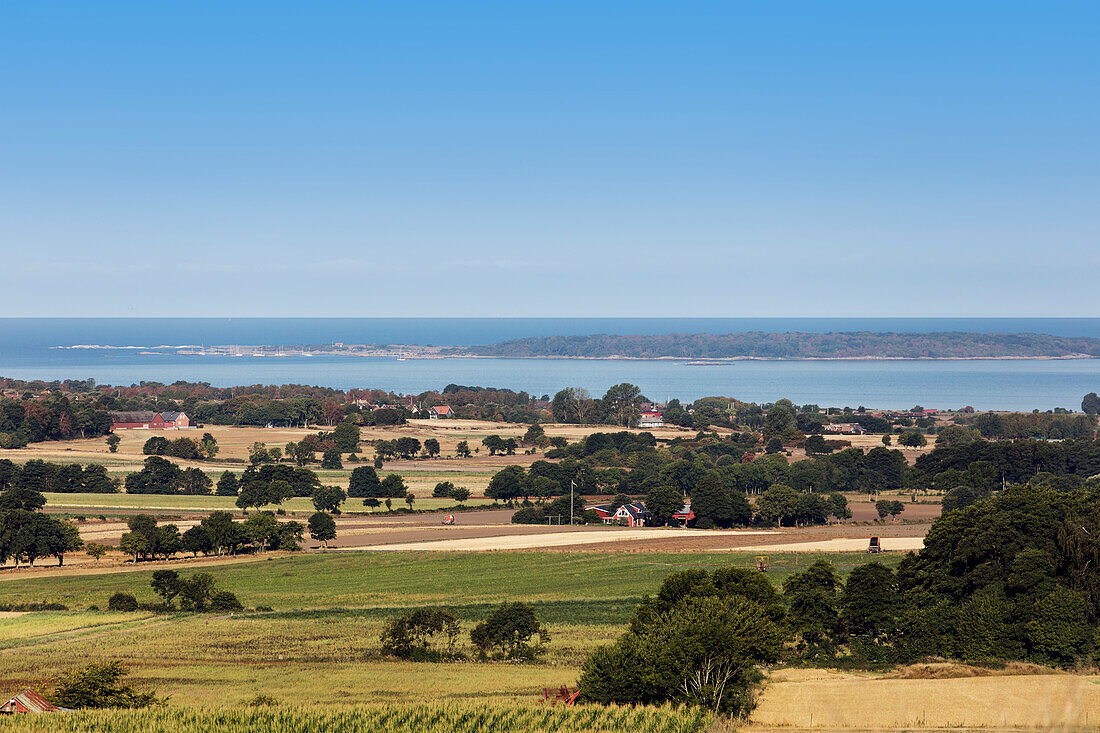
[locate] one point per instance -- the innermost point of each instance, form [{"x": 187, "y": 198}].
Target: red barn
[
  {"x": 685, "y": 515},
  {"x": 29, "y": 701},
  {"x": 603, "y": 511},
  {"x": 147, "y": 419}
]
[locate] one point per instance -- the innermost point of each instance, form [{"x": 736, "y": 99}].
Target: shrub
[
  {"x": 530, "y": 515},
  {"x": 122, "y": 602},
  {"x": 508, "y": 631},
  {"x": 223, "y": 600},
  {"x": 99, "y": 686},
  {"x": 411, "y": 635}
]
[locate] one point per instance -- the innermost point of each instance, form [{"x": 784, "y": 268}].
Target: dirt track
[{"x": 530, "y": 540}]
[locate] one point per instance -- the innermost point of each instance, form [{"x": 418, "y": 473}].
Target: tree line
[
  {"x": 792, "y": 345},
  {"x": 27, "y": 534},
  {"x": 56, "y": 417},
  {"x": 719, "y": 473},
  {"x": 65, "y": 478},
  {"x": 1008, "y": 578}
]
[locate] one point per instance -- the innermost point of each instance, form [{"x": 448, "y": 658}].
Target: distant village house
[
  {"x": 149, "y": 420},
  {"x": 845, "y": 428},
  {"x": 651, "y": 419},
  {"x": 441, "y": 411}
]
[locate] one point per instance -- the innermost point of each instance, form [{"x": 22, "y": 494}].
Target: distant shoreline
[
  {"x": 697, "y": 349},
  {"x": 409, "y": 352}
]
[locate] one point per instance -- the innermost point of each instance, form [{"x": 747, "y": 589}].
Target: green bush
[
  {"x": 508, "y": 631},
  {"x": 122, "y": 602},
  {"x": 99, "y": 686},
  {"x": 223, "y": 600},
  {"x": 412, "y": 635}
]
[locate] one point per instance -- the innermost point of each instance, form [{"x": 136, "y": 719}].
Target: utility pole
[{"x": 572, "y": 493}]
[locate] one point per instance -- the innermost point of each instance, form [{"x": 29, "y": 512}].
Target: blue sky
[{"x": 551, "y": 159}]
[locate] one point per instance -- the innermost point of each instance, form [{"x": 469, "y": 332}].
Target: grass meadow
[
  {"x": 354, "y": 580},
  {"x": 317, "y": 654},
  {"x": 321, "y": 641}
]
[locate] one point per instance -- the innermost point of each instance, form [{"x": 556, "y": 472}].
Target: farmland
[
  {"x": 320, "y": 644},
  {"x": 321, "y": 639},
  {"x": 435, "y": 717}
]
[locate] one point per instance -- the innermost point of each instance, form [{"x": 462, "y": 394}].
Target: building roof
[
  {"x": 170, "y": 416},
  {"x": 635, "y": 509},
  {"x": 684, "y": 510},
  {"x": 442, "y": 409},
  {"x": 134, "y": 416},
  {"x": 29, "y": 701},
  {"x": 599, "y": 508}
]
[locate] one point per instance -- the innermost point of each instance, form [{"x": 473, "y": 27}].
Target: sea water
[{"x": 28, "y": 351}]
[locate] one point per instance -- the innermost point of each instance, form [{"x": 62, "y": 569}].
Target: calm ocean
[{"x": 26, "y": 353}]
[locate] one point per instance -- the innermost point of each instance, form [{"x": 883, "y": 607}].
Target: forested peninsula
[{"x": 795, "y": 345}]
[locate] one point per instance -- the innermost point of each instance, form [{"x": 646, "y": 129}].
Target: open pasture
[
  {"x": 354, "y": 579},
  {"x": 321, "y": 645},
  {"x": 321, "y": 642}
]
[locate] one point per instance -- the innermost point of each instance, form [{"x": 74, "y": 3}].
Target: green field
[
  {"x": 321, "y": 642},
  {"x": 357, "y": 580}
]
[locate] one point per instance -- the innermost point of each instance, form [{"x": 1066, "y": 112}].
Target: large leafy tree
[
  {"x": 322, "y": 527},
  {"x": 699, "y": 642},
  {"x": 662, "y": 502}
]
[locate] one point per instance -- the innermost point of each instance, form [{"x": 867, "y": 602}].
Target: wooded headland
[{"x": 796, "y": 345}]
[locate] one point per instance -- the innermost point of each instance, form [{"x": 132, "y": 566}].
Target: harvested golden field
[{"x": 807, "y": 698}]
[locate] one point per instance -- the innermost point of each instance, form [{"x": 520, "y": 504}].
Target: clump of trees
[
  {"x": 1008, "y": 578},
  {"x": 161, "y": 476},
  {"x": 65, "y": 478},
  {"x": 217, "y": 534},
  {"x": 158, "y": 445},
  {"x": 422, "y": 635},
  {"x": 496, "y": 444},
  {"x": 364, "y": 483},
  {"x": 888, "y": 507},
  {"x": 29, "y": 420},
  {"x": 508, "y": 631},
  {"x": 26, "y": 534},
  {"x": 431, "y": 634},
  {"x": 446, "y": 489},
  {"x": 197, "y": 594},
  {"x": 700, "y": 640}
]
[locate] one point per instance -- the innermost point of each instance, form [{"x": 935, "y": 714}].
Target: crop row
[{"x": 447, "y": 717}]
